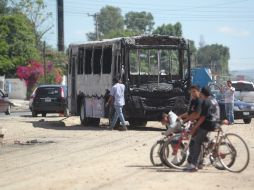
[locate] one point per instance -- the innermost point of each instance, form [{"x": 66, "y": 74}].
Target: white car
[{"x": 244, "y": 90}]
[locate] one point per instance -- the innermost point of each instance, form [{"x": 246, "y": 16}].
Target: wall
[{"x": 16, "y": 89}]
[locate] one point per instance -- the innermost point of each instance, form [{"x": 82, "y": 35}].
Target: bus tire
[
  {"x": 83, "y": 119},
  {"x": 136, "y": 123}
]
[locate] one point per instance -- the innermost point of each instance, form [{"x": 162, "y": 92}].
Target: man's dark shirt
[
  {"x": 210, "y": 112},
  {"x": 195, "y": 106}
]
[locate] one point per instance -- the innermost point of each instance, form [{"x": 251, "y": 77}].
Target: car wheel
[
  {"x": 34, "y": 114},
  {"x": 8, "y": 111},
  {"x": 247, "y": 121},
  {"x": 44, "y": 114}
]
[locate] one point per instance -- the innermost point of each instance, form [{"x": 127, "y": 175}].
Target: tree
[
  {"x": 30, "y": 74},
  {"x": 119, "y": 33},
  {"x": 215, "y": 57},
  {"x": 109, "y": 19},
  {"x": 140, "y": 22},
  {"x": 3, "y": 7},
  {"x": 35, "y": 10},
  {"x": 17, "y": 43},
  {"x": 169, "y": 29}
]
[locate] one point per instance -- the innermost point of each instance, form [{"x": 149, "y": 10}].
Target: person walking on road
[
  {"x": 117, "y": 94},
  {"x": 229, "y": 102}
]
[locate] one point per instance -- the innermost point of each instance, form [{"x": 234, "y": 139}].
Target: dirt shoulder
[{"x": 73, "y": 157}]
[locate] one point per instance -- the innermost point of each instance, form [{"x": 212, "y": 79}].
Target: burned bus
[{"x": 154, "y": 69}]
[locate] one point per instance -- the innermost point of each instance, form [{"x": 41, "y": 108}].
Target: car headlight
[
  {"x": 242, "y": 107},
  {"x": 236, "y": 108},
  {"x": 252, "y": 107}
]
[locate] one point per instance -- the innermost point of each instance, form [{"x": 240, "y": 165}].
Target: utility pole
[
  {"x": 95, "y": 16},
  {"x": 44, "y": 62},
  {"x": 60, "y": 25}
]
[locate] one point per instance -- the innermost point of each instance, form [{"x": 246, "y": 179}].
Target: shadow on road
[
  {"x": 166, "y": 169},
  {"x": 60, "y": 125}
]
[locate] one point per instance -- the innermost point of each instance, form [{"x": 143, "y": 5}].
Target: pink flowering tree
[
  {"x": 33, "y": 74},
  {"x": 30, "y": 74}
]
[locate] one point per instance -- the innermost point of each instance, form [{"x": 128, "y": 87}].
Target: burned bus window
[
  {"x": 107, "y": 60},
  {"x": 88, "y": 57},
  {"x": 97, "y": 61},
  {"x": 80, "y": 60},
  {"x": 143, "y": 62}
]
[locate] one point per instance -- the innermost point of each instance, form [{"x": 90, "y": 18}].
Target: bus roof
[{"x": 139, "y": 40}]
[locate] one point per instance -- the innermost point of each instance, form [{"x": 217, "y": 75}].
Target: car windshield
[
  {"x": 52, "y": 92},
  {"x": 243, "y": 87}
]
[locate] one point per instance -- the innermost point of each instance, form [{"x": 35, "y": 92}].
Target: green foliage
[
  {"x": 17, "y": 43},
  {"x": 215, "y": 57},
  {"x": 119, "y": 33},
  {"x": 110, "y": 19},
  {"x": 59, "y": 59},
  {"x": 169, "y": 29},
  {"x": 139, "y": 22},
  {"x": 3, "y": 7}
]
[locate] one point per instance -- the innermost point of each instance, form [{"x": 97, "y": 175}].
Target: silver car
[{"x": 244, "y": 90}]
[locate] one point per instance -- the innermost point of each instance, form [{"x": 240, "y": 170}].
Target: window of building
[
  {"x": 97, "y": 61},
  {"x": 107, "y": 60},
  {"x": 88, "y": 58}
]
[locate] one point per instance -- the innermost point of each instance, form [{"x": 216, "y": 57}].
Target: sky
[{"x": 226, "y": 22}]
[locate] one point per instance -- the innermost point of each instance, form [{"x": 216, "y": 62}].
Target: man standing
[
  {"x": 208, "y": 121},
  {"x": 117, "y": 93},
  {"x": 229, "y": 102}
]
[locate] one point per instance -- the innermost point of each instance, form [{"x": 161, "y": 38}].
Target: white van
[{"x": 244, "y": 90}]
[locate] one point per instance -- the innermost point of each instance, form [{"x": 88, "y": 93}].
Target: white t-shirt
[
  {"x": 117, "y": 92},
  {"x": 174, "y": 126},
  {"x": 229, "y": 95}
]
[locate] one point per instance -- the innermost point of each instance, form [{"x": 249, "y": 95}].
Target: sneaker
[
  {"x": 175, "y": 160},
  {"x": 190, "y": 168},
  {"x": 124, "y": 128}
]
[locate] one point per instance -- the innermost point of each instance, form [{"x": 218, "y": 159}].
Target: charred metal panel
[
  {"x": 94, "y": 107},
  {"x": 93, "y": 85}
]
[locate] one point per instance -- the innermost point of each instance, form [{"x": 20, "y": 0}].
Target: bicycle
[
  {"x": 156, "y": 152},
  {"x": 157, "y": 157},
  {"x": 226, "y": 151}
]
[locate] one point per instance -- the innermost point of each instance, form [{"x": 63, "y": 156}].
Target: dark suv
[{"x": 49, "y": 99}]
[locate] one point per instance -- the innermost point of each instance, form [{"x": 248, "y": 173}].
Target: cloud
[{"x": 233, "y": 31}]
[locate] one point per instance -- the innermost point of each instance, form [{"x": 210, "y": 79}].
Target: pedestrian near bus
[
  {"x": 117, "y": 94},
  {"x": 229, "y": 94}
]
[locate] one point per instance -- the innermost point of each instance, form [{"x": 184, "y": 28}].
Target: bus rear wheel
[{"x": 137, "y": 123}]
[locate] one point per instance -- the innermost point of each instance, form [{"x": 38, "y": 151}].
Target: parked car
[
  {"x": 5, "y": 104},
  {"x": 49, "y": 99},
  {"x": 244, "y": 90},
  {"x": 242, "y": 110}
]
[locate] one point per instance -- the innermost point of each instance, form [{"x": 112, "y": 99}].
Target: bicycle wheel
[
  {"x": 155, "y": 153},
  {"x": 171, "y": 159},
  {"x": 233, "y": 153}
]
